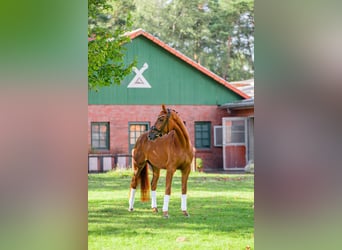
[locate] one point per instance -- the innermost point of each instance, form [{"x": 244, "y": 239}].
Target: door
[
  {"x": 250, "y": 139},
  {"x": 235, "y": 146}
]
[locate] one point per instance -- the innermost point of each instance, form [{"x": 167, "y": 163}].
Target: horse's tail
[{"x": 145, "y": 184}]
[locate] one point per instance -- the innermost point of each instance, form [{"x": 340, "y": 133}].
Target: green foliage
[
  {"x": 214, "y": 33},
  {"x": 106, "y": 30},
  {"x": 220, "y": 206},
  {"x": 218, "y": 34},
  {"x": 199, "y": 163},
  {"x": 236, "y": 68}
]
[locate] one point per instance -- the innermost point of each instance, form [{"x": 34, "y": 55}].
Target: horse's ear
[{"x": 164, "y": 108}]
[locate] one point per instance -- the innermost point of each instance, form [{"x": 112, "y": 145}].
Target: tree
[
  {"x": 106, "y": 29},
  {"x": 218, "y": 34},
  {"x": 241, "y": 65}
]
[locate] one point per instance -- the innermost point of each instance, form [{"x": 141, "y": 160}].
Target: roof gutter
[{"x": 238, "y": 105}]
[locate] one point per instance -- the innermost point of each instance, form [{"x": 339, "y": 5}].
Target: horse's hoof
[
  {"x": 166, "y": 215},
  {"x": 186, "y": 214},
  {"x": 155, "y": 210},
  {"x": 130, "y": 209}
]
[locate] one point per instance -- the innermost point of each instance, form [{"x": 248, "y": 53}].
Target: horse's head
[{"x": 161, "y": 125}]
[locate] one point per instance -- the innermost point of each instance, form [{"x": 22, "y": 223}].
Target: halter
[{"x": 160, "y": 131}]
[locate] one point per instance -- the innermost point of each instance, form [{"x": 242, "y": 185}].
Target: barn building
[{"x": 119, "y": 114}]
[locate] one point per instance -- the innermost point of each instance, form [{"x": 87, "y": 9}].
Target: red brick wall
[
  {"x": 242, "y": 112},
  {"x": 118, "y": 117}
]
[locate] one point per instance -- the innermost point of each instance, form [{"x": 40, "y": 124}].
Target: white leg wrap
[
  {"x": 131, "y": 198},
  {"x": 166, "y": 203},
  {"x": 183, "y": 203},
  {"x": 153, "y": 199}
]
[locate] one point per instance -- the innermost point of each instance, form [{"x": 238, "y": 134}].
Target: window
[
  {"x": 202, "y": 134},
  {"x": 135, "y": 130},
  {"x": 235, "y": 131},
  {"x": 100, "y": 135}
]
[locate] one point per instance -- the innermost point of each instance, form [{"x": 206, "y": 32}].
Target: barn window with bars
[
  {"x": 100, "y": 135},
  {"x": 202, "y": 135}
]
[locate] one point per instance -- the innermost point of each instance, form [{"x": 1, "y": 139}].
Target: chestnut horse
[{"x": 166, "y": 146}]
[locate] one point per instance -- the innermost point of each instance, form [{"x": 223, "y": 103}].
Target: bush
[{"x": 199, "y": 164}]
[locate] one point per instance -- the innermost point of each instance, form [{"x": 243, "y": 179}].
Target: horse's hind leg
[
  {"x": 154, "y": 182},
  {"x": 133, "y": 186},
  {"x": 185, "y": 176}
]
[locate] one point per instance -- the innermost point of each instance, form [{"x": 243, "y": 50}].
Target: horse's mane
[{"x": 185, "y": 138}]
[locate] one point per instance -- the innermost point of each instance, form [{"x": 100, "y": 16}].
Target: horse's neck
[{"x": 182, "y": 133}]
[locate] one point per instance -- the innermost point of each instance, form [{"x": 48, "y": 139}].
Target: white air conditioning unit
[{"x": 218, "y": 137}]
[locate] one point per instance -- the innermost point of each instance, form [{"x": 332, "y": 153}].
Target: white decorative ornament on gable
[{"x": 139, "y": 80}]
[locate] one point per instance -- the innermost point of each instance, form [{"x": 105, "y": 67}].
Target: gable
[{"x": 171, "y": 81}]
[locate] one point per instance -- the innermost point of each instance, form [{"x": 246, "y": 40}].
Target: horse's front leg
[
  {"x": 185, "y": 176},
  {"x": 169, "y": 176},
  {"x": 154, "y": 182}
]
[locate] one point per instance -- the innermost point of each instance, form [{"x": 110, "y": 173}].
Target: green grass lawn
[{"x": 221, "y": 208}]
